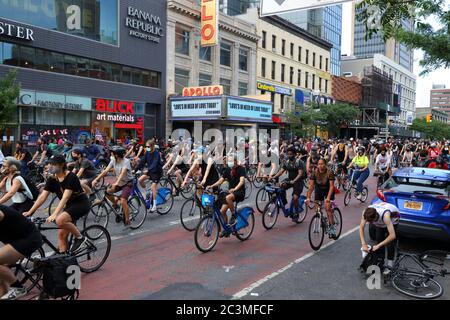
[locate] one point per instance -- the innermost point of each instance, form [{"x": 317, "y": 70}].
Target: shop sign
[
  {"x": 249, "y": 110},
  {"x": 113, "y": 106},
  {"x": 50, "y": 100},
  {"x": 197, "y": 108},
  {"x": 209, "y": 30},
  {"x": 144, "y": 25},
  {"x": 203, "y": 91},
  {"x": 323, "y": 75},
  {"x": 273, "y": 88},
  {"x": 115, "y": 117},
  {"x": 15, "y": 31},
  {"x": 27, "y": 98}
]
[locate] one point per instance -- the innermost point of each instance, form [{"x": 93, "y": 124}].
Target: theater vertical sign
[{"x": 209, "y": 22}]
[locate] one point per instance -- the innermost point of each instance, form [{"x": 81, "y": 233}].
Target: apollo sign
[{"x": 272, "y": 7}]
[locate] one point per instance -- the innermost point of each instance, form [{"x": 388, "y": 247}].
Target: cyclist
[
  {"x": 296, "y": 170},
  {"x": 312, "y": 161},
  {"x": 24, "y": 156},
  {"x": 15, "y": 186},
  {"x": 383, "y": 164},
  {"x": 340, "y": 154},
  {"x": 84, "y": 169},
  {"x": 43, "y": 152},
  {"x": 235, "y": 175},
  {"x": 152, "y": 161},
  {"x": 408, "y": 156},
  {"x": 437, "y": 163},
  {"x": 445, "y": 151},
  {"x": 73, "y": 204},
  {"x": 21, "y": 239},
  {"x": 179, "y": 167},
  {"x": 123, "y": 183},
  {"x": 433, "y": 151},
  {"x": 385, "y": 217},
  {"x": 322, "y": 182},
  {"x": 91, "y": 150},
  {"x": 362, "y": 163}
]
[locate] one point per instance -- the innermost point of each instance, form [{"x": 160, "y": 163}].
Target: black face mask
[
  {"x": 291, "y": 158},
  {"x": 75, "y": 158}
]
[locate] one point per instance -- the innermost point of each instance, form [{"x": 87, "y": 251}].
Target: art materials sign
[{"x": 209, "y": 30}]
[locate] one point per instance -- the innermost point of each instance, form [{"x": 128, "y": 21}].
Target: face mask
[
  {"x": 230, "y": 164},
  {"x": 291, "y": 157},
  {"x": 383, "y": 154},
  {"x": 75, "y": 158},
  {"x": 149, "y": 149},
  {"x": 54, "y": 170}
]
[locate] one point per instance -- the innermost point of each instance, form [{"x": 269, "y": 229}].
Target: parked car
[{"x": 423, "y": 197}]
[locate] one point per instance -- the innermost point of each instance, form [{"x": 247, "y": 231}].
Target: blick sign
[
  {"x": 209, "y": 32},
  {"x": 272, "y": 7}
]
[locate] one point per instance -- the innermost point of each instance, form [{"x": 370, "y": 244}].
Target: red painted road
[{"x": 141, "y": 265}]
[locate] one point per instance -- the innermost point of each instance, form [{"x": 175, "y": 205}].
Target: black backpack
[
  {"x": 372, "y": 259},
  {"x": 55, "y": 276},
  {"x": 34, "y": 191}
]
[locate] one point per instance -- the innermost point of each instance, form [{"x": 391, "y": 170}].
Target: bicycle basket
[
  {"x": 161, "y": 197},
  {"x": 208, "y": 200}
]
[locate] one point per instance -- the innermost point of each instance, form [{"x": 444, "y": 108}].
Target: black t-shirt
[
  {"x": 71, "y": 182},
  {"x": 213, "y": 175},
  {"x": 27, "y": 153},
  {"x": 234, "y": 175},
  {"x": 89, "y": 169},
  {"x": 292, "y": 168},
  {"x": 14, "y": 226}
]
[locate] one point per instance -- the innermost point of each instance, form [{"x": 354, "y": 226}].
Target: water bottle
[{"x": 364, "y": 254}]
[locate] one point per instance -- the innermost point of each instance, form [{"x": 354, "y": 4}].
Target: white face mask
[{"x": 230, "y": 164}]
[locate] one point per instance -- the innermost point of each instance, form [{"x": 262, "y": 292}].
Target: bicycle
[
  {"x": 349, "y": 192},
  {"x": 381, "y": 174},
  {"x": 186, "y": 193},
  {"x": 342, "y": 180},
  {"x": 320, "y": 225},
  {"x": 193, "y": 211},
  {"x": 272, "y": 209},
  {"x": 418, "y": 282},
  {"x": 210, "y": 225},
  {"x": 91, "y": 256},
  {"x": 263, "y": 197}
]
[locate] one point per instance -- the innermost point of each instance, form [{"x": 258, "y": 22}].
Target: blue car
[{"x": 423, "y": 197}]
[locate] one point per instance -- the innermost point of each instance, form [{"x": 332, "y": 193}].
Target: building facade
[
  {"x": 325, "y": 23},
  {"x": 293, "y": 66},
  {"x": 403, "y": 81},
  {"x": 347, "y": 90},
  {"x": 84, "y": 69},
  {"x": 231, "y": 63},
  {"x": 438, "y": 115},
  {"x": 440, "y": 99},
  {"x": 392, "y": 49}
]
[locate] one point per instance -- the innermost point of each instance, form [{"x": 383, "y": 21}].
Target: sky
[{"x": 424, "y": 84}]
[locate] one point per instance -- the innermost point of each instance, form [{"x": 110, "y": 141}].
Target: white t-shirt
[
  {"x": 383, "y": 162},
  {"x": 2, "y": 157},
  {"x": 118, "y": 169}
]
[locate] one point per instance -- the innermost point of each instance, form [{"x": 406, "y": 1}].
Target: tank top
[
  {"x": 340, "y": 154},
  {"x": 19, "y": 197},
  {"x": 382, "y": 208}
]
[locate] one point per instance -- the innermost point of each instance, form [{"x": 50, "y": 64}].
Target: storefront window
[
  {"x": 42, "y": 60},
  {"x": 83, "y": 67},
  {"x": 81, "y": 119},
  {"x": 10, "y": 54},
  {"x": 126, "y": 75},
  {"x": 27, "y": 55},
  {"x": 56, "y": 62},
  {"x": 155, "y": 79},
  {"x": 136, "y": 77},
  {"x": 49, "y": 116},
  {"x": 181, "y": 80},
  {"x": 27, "y": 115},
  {"x": 115, "y": 72},
  {"x": 182, "y": 40},
  {"x": 92, "y": 19}
]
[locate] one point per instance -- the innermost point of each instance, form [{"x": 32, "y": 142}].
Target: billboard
[
  {"x": 271, "y": 7},
  {"x": 209, "y": 30}
]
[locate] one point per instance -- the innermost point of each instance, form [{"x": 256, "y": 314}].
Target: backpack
[
  {"x": 34, "y": 191},
  {"x": 55, "y": 276},
  {"x": 372, "y": 259}
]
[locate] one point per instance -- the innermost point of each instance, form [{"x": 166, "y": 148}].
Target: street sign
[{"x": 272, "y": 7}]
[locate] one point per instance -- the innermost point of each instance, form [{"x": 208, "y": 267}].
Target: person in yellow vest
[{"x": 360, "y": 164}]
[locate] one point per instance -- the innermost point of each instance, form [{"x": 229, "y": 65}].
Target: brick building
[{"x": 348, "y": 90}]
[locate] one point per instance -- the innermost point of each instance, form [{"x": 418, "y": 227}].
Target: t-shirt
[
  {"x": 433, "y": 152},
  {"x": 14, "y": 226},
  {"x": 322, "y": 179},
  {"x": 213, "y": 175},
  {"x": 125, "y": 163},
  {"x": 234, "y": 175},
  {"x": 292, "y": 167},
  {"x": 361, "y": 161},
  {"x": 383, "y": 162},
  {"x": 70, "y": 182},
  {"x": 44, "y": 147},
  {"x": 89, "y": 169}
]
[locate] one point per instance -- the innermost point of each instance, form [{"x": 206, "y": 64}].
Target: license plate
[{"x": 413, "y": 205}]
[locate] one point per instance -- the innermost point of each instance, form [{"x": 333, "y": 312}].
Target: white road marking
[
  {"x": 228, "y": 268},
  {"x": 253, "y": 286}
]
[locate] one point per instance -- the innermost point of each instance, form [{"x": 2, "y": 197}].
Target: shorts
[
  {"x": 28, "y": 245},
  {"x": 183, "y": 168},
  {"x": 322, "y": 194},
  {"x": 154, "y": 177},
  {"x": 23, "y": 207},
  {"x": 126, "y": 190},
  {"x": 89, "y": 181},
  {"x": 239, "y": 196},
  {"x": 78, "y": 208},
  {"x": 297, "y": 188}
]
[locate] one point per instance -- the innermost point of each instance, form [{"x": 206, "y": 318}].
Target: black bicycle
[
  {"x": 192, "y": 211},
  {"x": 186, "y": 192}
]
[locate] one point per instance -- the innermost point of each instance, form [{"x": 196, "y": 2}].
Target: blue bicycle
[
  {"x": 210, "y": 226},
  {"x": 272, "y": 209},
  {"x": 101, "y": 211}
]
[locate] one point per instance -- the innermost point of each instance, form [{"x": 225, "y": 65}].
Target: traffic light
[{"x": 429, "y": 118}]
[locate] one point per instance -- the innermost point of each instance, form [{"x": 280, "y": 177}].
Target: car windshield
[{"x": 418, "y": 186}]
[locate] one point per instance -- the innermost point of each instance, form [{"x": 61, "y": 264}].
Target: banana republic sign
[
  {"x": 15, "y": 31},
  {"x": 144, "y": 25}
]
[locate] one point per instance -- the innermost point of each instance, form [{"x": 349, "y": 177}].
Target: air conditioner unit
[{"x": 348, "y": 74}]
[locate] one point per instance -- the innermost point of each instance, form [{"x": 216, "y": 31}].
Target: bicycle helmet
[
  {"x": 361, "y": 149},
  {"x": 119, "y": 151}
]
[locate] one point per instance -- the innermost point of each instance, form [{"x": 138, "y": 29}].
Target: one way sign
[{"x": 271, "y": 7}]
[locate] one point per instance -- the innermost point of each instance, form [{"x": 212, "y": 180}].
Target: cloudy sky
[{"x": 424, "y": 84}]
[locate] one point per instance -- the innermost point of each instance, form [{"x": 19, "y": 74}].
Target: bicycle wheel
[
  {"x": 258, "y": 182},
  {"x": 189, "y": 190},
  {"x": 337, "y": 222},
  {"x": 316, "y": 232},
  {"x": 98, "y": 215},
  {"x": 137, "y": 213},
  {"x": 364, "y": 194},
  {"x": 164, "y": 208},
  {"x": 346, "y": 183},
  {"x": 347, "y": 197},
  {"x": 248, "y": 189},
  {"x": 25, "y": 274},
  {"x": 96, "y": 251},
  {"x": 190, "y": 214},
  {"x": 245, "y": 233},
  {"x": 53, "y": 205},
  {"x": 262, "y": 198},
  {"x": 270, "y": 215},
  {"x": 251, "y": 172},
  {"x": 302, "y": 215},
  {"x": 416, "y": 285},
  {"x": 207, "y": 234}
]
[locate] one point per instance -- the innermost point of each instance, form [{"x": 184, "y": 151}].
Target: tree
[
  {"x": 433, "y": 130},
  {"x": 338, "y": 115},
  {"x": 388, "y": 17},
  {"x": 9, "y": 92}
]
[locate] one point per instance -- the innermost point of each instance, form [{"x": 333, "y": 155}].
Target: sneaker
[
  {"x": 14, "y": 293},
  {"x": 295, "y": 217},
  {"x": 233, "y": 222},
  {"x": 332, "y": 232},
  {"x": 387, "y": 272},
  {"x": 78, "y": 243},
  {"x": 153, "y": 208}
]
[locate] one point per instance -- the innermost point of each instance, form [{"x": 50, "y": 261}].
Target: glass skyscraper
[
  {"x": 325, "y": 23},
  {"x": 237, "y": 7}
]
